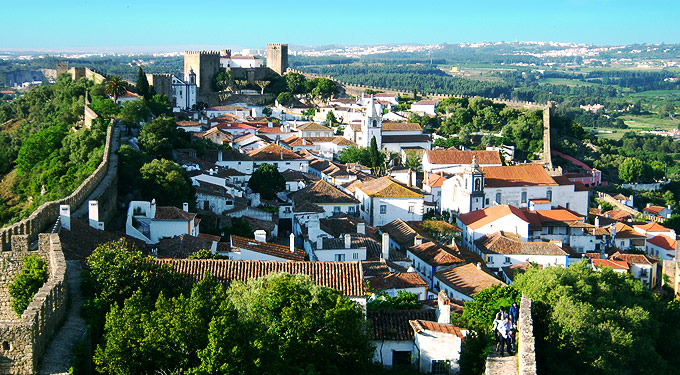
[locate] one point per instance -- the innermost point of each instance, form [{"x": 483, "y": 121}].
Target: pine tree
[
  {"x": 142, "y": 84},
  {"x": 374, "y": 154}
]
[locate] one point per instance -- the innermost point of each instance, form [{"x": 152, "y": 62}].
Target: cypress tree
[{"x": 142, "y": 84}]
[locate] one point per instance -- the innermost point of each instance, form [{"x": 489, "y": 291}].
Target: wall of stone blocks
[
  {"x": 47, "y": 213},
  {"x": 23, "y": 339},
  {"x": 526, "y": 347}
]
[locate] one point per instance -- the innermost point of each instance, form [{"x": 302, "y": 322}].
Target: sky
[{"x": 44, "y": 24}]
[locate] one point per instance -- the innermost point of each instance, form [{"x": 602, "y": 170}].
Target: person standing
[
  {"x": 514, "y": 314},
  {"x": 505, "y": 333}
]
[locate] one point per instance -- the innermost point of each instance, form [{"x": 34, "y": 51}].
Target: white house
[
  {"x": 658, "y": 211},
  {"x": 217, "y": 111},
  {"x": 326, "y": 196},
  {"x": 456, "y": 161},
  {"x": 394, "y": 282},
  {"x": 384, "y": 200},
  {"x": 662, "y": 247},
  {"x": 640, "y": 266},
  {"x": 393, "y": 336},
  {"x": 312, "y": 129},
  {"x": 424, "y": 107},
  {"x": 150, "y": 224},
  {"x": 242, "y": 248},
  {"x": 184, "y": 94},
  {"x": 437, "y": 346},
  {"x": 429, "y": 258},
  {"x": 479, "y": 223},
  {"x": 127, "y": 97},
  {"x": 283, "y": 158},
  {"x": 502, "y": 249},
  {"x": 463, "y": 282}
]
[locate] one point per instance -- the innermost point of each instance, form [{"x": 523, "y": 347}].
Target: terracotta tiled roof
[
  {"x": 618, "y": 215},
  {"x": 337, "y": 140},
  {"x": 517, "y": 269},
  {"x": 394, "y": 325},
  {"x": 434, "y": 180},
  {"x": 479, "y": 218},
  {"x": 503, "y": 243},
  {"x": 347, "y": 277},
  {"x": 620, "y": 197},
  {"x": 226, "y": 108},
  {"x": 398, "y": 280},
  {"x": 188, "y": 123},
  {"x": 273, "y": 152},
  {"x": 517, "y": 175},
  {"x": 463, "y": 157},
  {"x": 425, "y": 102},
  {"x": 467, "y": 279},
  {"x": 182, "y": 246},
  {"x": 321, "y": 192},
  {"x": 358, "y": 241},
  {"x": 234, "y": 125},
  {"x": 401, "y": 126},
  {"x": 436, "y": 255},
  {"x": 313, "y": 126},
  {"x": 663, "y": 242},
  {"x": 308, "y": 207},
  {"x": 420, "y": 325},
  {"x": 387, "y": 187},
  {"x": 336, "y": 226},
  {"x": 625, "y": 231},
  {"x": 414, "y": 138},
  {"x": 295, "y": 175},
  {"x": 653, "y": 209},
  {"x": 173, "y": 213},
  {"x": 400, "y": 232},
  {"x": 79, "y": 242},
  {"x": 267, "y": 129},
  {"x": 652, "y": 227},
  {"x": 616, "y": 264},
  {"x": 268, "y": 248},
  {"x": 540, "y": 201},
  {"x": 631, "y": 258}
]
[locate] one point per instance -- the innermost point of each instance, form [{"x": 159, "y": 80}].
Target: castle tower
[
  {"x": 62, "y": 67},
  {"x": 474, "y": 185},
  {"x": 277, "y": 57},
  {"x": 371, "y": 126},
  {"x": 205, "y": 65}
]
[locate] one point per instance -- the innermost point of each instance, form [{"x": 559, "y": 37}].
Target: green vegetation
[
  {"x": 167, "y": 183},
  {"x": 600, "y": 322},
  {"x": 155, "y": 323},
  {"x": 267, "y": 180},
  {"x": 402, "y": 301},
  {"x": 27, "y": 283}
]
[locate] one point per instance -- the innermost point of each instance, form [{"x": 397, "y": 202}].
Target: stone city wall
[
  {"x": 357, "y": 90},
  {"x": 23, "y": 339},
  {"x": 526, "y": 346},
  {"x": 48, "y": 212}
]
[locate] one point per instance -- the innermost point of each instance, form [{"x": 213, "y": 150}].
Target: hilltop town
[{"x": 217, "y": 178}]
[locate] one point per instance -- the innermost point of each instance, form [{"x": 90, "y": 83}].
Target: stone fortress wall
[
  {"x": 526, "y": 342},
  {"x": 23, "y": 339},
  {"x": 48, "y": 212}
]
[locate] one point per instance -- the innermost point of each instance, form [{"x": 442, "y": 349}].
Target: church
[{"x": 391, "y": 136}]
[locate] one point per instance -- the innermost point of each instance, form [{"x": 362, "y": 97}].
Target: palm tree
[{"x": 115, "y": 87}]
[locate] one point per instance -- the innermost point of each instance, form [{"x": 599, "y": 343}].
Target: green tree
[
  {"x": 159, "y": 105},
  {"x": 324, "y": 88},
  {"x": 402, "y": 301},
  {"x": 159, "y": 137},
  {"x": 130, "y": 161},
  {"x": 115, "y": 87},
  {"x": 632, "y": 170},
  {"x": 223, "y": 80},
  {"x": 167, "y": 182},
  {"x": 267, "y": 111},
  {"x": 27, "y": 283},
  {"x": 414, "y": 161},
  {"x": 40, "y": 145},
  {"x": 353, "y": 154},
  {"x": 267, "y": 180},
  {"x": 330, "y": 119},
  {"x": 133, "y": 113},
  {"x": 296, "y": 83},
  {"x": 478, "y": 313},
  {"x": 374, "y": 155},
  {"x": 262, "y": 85},
  {"x": 285, "y": 98},
  {"x": 142, "y": 84},
  {"x": 599, "y": 322},
  {"x": 104, "y": 107}
]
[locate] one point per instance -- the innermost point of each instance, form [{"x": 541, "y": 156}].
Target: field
[{"x": 638, "y": 123}]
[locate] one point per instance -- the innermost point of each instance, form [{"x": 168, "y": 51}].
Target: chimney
[
  {"x": 94, "y": 214},
  {"x": 65, "y": 216},
  {"x": 152, "y": 210},
  {"x": 597, "y": 221},
  {"x": 613, "y": 231},
  {"x": 649, "y": 205},
  {"x": 348, "y": 241},
  {"x": 443, "y": 308},
  {"x": 185, "y": 207},
  {"x": 418, "y": 240},
  {"x": 427, "y": 178},
  {"x": 386, "y": 246},
  {"x": 270, "y": 124},
  {"x": 319, "y": 243},
  {"x": 479, "y": 265},
  {"x": 304, "y": 142},
  {"x": 260, "y": 235},
  {"x": 361, "y": 228},
  {"x": 281, "y": 154},
  {"x": 219, "y": 156},
  {"x": 453, "y": 242},
  {"x": 599, "y": 207},
  {"x": 292, "y": 243},
  {"x": 410, "y": 183}
]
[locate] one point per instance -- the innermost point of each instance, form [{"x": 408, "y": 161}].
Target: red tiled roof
[
  {"x": 321, "y": 192},
  {"x": 502, "y": 243},
  {"x": 398, "y": 280},
  {"x": 233, "y": 125},
  {"x": 663, "y": 242},
  {"x": 467, "y": 279},
  {"x": 347, "y": 277},
  {"x": 401, "y": 126},
  {"x": 188, "y": 123},
  {"x": 463, "y": 157},
  {"x": 517, "y": 175},
  {"x": 653, "y": 227},
  {"x": 173, "y": 213},
  {"x": 420, "y": 325},
  {"x": 616, "y": 264},
  {"x": 479, "y": 218},
  {"x": 394, "y": 324},
  {"x": 266, "y": 129},
  {"x": 268, "y": 248},
  {"x": 272, "y": 152},
  {"x": 434, "y": 254},
  {"x": 631, "y": 258},
  {"x": 388, "y": 187},
  {"x": 653, "y": 209},
  {"x": 425, "y": 102}
]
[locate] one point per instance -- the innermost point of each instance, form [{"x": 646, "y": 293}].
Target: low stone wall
[
  {"x": 48, "y": 212},
  {"x": 526, "y": 346},
  {"x": 23, "y": 340}
]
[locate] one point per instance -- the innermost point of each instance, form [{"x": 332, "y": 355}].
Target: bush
[{"x": 27, "y": 283}]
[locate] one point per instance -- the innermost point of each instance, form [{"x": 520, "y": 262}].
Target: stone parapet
[{"x": 526, "y": 346}]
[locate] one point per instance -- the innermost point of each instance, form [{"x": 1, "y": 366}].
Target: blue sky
[{"x": 81, "y": 23}]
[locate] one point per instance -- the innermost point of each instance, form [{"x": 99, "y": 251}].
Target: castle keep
[{"x": 277, "y": 57}]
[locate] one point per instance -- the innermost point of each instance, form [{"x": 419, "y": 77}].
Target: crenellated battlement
[{"x": 210, "y": 52}]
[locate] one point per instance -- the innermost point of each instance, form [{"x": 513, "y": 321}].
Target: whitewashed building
[
  {"x": 384, "y": 199},
  {"x": 150, "y": 224}
]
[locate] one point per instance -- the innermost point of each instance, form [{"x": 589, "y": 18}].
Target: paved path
[
  {"x": 497, "y": 365},
  {"x": 59, "y": 352}
]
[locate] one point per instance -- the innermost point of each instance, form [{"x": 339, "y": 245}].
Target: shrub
[{"x": 27, "y": 283}]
